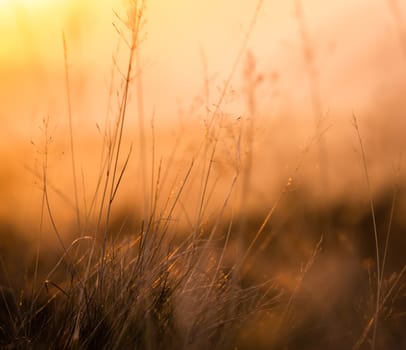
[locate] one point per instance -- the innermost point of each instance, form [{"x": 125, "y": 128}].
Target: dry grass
[
  {"x": 215, "y": 282},
  {"x": 148, "y": 290}
]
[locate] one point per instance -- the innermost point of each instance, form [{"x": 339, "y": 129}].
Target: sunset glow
[
  {"x": 30, "y": 4},
  {"x": 202, "y": 174}
]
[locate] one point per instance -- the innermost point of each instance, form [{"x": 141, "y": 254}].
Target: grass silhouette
[{"x": 140, "y": 277}]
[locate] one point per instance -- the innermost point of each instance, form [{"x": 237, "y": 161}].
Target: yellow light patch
[
  {"x": 27, "y": 3},
  {"x": 30, "y": 29}
]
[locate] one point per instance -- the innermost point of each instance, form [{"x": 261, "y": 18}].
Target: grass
[
  {"x": 150, "y": 290},
  {"x": 215, "y": 282}
]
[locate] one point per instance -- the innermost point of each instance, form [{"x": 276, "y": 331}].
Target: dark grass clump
[{"x": 147, "y": 294}]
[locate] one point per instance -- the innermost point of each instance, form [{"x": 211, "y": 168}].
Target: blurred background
[{"x": 307, "y": 68}]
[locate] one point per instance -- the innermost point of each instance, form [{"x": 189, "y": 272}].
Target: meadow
[{"x": 238, "y": 224}]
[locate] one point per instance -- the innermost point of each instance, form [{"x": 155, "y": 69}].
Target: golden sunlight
[
  {"x": 202, "y": 174},
  {"x": 28, "y": 3},
  {"x": 28, "y": 27}
]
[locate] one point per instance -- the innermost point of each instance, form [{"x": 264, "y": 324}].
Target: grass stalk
[
  {"x": 71, "y": 136},
  {"x": 375, "y": 231}
]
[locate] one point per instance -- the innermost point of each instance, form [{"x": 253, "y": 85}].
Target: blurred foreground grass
[{"x": 220, "y": 232}]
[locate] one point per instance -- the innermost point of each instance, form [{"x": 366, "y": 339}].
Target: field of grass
[{"x": 226, "y": 232}]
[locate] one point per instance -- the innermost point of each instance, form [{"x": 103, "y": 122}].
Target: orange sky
[
  {"x": 357, "y": 54},
  {"x": 357, "y": 51}
]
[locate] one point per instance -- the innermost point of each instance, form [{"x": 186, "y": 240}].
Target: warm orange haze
[{"x": 202, "y": 174}]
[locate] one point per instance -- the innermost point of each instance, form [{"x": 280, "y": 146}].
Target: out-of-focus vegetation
[{"x": 219, "y": 231}]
